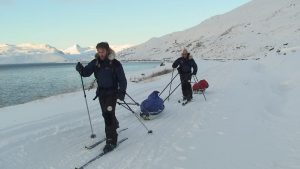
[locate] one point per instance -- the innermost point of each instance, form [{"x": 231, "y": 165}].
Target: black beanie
[{"x": 103, "y": 45}]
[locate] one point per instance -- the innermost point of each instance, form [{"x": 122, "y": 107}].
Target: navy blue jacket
[
  {"x": 109, "y": 74},
  {"x": 185, "y": 65}
]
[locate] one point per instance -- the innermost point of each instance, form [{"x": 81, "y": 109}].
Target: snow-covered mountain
[
  {"x": 250, "y": 31},
  {"x": 77, "y": 53},
  {"x": 29, "y": 53},
  {"x": 44, "y": 53},
  {"x": 77, "y": 49}
]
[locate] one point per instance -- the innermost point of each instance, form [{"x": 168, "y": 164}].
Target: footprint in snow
[
  {"x": 192, "y": 148},
  {"x": 177, "y": 148},
  {"x": 220, "y": 133},
  {"x": 181, "y": 158}
]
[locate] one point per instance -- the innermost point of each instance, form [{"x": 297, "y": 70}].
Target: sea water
[{"x": 21, "y": 83}]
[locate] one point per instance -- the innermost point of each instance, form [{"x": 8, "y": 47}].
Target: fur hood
[
  {"x": 189, "y": 56},
  {"x": 111, "y": 56}
]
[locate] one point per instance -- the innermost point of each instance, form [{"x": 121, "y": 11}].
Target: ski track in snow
[{"x": 250, "y": 120}]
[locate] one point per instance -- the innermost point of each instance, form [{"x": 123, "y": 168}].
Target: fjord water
[{"x": 21, "y": 83}]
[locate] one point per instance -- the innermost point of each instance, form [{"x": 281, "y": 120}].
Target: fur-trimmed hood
[
  {"x": 111, "y": 56},
  {"x": 189, "y": 56}
]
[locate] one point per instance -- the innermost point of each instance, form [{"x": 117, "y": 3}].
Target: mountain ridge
[
  {"x": 44, "y": 53},
  {"x": 247, "y": 32}
]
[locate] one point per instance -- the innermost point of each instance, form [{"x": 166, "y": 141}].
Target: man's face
[
  {"x": 185, "y": 54},
  {"x": 102, "y": 53}
]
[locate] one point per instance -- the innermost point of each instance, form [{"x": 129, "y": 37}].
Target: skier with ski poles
[
  {"x": 112, "y": 85},
  {"x": 186, "y": 67}
]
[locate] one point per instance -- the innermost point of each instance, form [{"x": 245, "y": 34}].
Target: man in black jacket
[
  {"x": 184, "y": 65},
  {"x": 112, "y": 85}
]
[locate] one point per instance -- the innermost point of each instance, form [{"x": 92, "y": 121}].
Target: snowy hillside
[
  {"x": 29, "y": 53},
  {"x": 118, "y": 48},
  {"x": 250, "y": 121},
  {"x": 253, "y": 30}
]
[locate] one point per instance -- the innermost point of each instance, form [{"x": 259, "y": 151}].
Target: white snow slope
[
  {"x": 244, "y": 33},
  {"x": 250, "y": 121}
]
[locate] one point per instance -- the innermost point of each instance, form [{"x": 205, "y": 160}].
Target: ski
[
  {"x": 186, "y": 102},
  {"x": 181, "y": 100},
  {"x": 101, "y": 141},
  {"x": 100, "y": 155}
]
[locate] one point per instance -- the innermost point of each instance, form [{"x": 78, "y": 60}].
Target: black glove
[
  {"x": 79, "y": 67},
  {"x": 121, "y": 95}
]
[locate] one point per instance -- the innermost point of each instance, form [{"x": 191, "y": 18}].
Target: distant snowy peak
[
  {"x": 27, "y": 48},
  {"x": 29, "y": 53},
  {"x": 44, "y": 53},
  {"x": 77, "y": 49}
]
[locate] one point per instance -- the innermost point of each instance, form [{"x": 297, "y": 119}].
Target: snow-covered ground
[{"x": 250, "y": 121}]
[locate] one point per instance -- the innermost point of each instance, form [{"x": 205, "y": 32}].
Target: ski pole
[
  {"x": 172, "y": 92},
  {"x": 132, "y": 99},
  {"x": 171, "y": 83},
  {"x": 204, "y": 95},
  {"x": 168, "y": 85},
  {"x": 122, "y": 104},
  {"x": 195, "y": 77},
  {"x": 132, "y": 104},
  {"x": 87, "y": 108},
  {"x": 129, "y": 108}
]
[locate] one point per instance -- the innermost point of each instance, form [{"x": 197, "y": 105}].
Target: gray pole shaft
[
  {"x": 87, "y": 107},
  {"x": 171, "y": 84}
]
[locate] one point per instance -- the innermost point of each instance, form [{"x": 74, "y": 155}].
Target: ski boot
[{"x": 109, "y": 147}]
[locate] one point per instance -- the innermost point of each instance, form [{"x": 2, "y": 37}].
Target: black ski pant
[
  {"x": 186, "y": 86},
  {"x": 108, "y": 101}
]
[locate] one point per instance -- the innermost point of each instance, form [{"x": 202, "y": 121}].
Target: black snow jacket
[
  {"x": 109, "y": 74},
  {"x": 186, "y": 65}
]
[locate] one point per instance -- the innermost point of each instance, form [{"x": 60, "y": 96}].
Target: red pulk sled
[{"x": 200, "y": 87}]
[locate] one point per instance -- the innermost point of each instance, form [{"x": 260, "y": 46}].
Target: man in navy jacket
[
  {"x": 112, "y": 85},
  {"x": 185, "y": 64}
]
